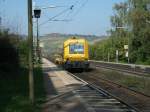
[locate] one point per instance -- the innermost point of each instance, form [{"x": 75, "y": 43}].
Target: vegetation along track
[{"x": 137, "y": 99}]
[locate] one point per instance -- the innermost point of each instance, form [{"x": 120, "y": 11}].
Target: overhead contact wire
[
  {"x": 83, "y": 5},
  {"x": 55, "y": 16}
]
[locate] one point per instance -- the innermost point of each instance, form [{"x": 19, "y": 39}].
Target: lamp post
[{"x": 37, "y": 14}]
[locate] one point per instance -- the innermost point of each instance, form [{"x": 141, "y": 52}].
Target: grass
[
  {"x": 14, "y": 92},
  {"x": 140, "y": 84}
]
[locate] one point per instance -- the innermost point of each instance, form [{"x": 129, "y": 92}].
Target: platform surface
[{"x": 59, "y": 86}]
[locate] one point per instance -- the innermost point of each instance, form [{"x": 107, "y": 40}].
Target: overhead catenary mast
[{"x": 30, "y": 42}]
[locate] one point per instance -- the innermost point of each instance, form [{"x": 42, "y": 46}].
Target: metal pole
[
  {"x": 117, "y": 52},
  {"x": 35, "y": 52},
  {"x": 38, "y": 58},
  {"x": 0, "y": 24},
  {"x": 128, "y": 49},
  {"x": 116, "y": 58},
  {"x": 108, "y": 57},
  {"x": 30, "y": 40},
  {"x": 128, "y": 60}
]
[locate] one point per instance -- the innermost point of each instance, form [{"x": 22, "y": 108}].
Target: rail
[
  {"x": 97, "y": 99},
  {"x": 130, "y": 68}
]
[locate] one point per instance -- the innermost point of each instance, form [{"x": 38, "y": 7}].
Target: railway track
[
  {"x": 138, "y": 100},
  {"x": 98, "y": 100},
  {"x": 140, "y": 74},
  {"x": 120, "y": 86},
  {"x": 139, "y": 70}
]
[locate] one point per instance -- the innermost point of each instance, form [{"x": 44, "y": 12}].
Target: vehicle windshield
[{"x": 76, "y": 48}]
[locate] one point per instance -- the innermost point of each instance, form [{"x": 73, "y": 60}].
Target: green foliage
[
  {"x": 9, "y": 58},
  {"x": 140, "y": 41},
  {"x": 23, "y": 52},
  {"x": 130, "y": 27},
  {"x": 107, "y": 49},
  {"x": 14, "y": 89},
  {"x": 14, "y": 52},
  {"x": 14, "y": 92}
]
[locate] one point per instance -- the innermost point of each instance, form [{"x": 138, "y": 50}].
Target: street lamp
[{"x": 37, "y": 14}]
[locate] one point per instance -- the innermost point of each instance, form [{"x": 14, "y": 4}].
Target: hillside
[
  {"x": 53, "y": 36},
  {"x": 53, "y": 43}
]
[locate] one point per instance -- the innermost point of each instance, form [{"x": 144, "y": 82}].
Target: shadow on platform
[
  {"x": 63, "y": 99},
  {"x": 49, "y": 69},
  {"x": 49, "y": 87}
]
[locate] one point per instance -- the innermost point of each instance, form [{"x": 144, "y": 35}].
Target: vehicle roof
[{"x": 75, "y": 40}]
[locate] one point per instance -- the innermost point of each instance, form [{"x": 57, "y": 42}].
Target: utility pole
[{"x": 30, "y": 41}]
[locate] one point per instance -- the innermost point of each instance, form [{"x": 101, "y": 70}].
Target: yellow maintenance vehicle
[{"x": 76, "y": 53}]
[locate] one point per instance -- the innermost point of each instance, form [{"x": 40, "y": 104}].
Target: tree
[
  {"x": 140, "y": 39},
  {"x": 129, "y": 26}
]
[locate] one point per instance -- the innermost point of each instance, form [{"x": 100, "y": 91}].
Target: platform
[{"x": 59, "y": 86}]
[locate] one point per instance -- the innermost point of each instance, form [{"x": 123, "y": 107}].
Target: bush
[{"x": 9, "y": 57}]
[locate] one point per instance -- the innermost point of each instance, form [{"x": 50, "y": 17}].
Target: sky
[{"x": 90, "y": 17}]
